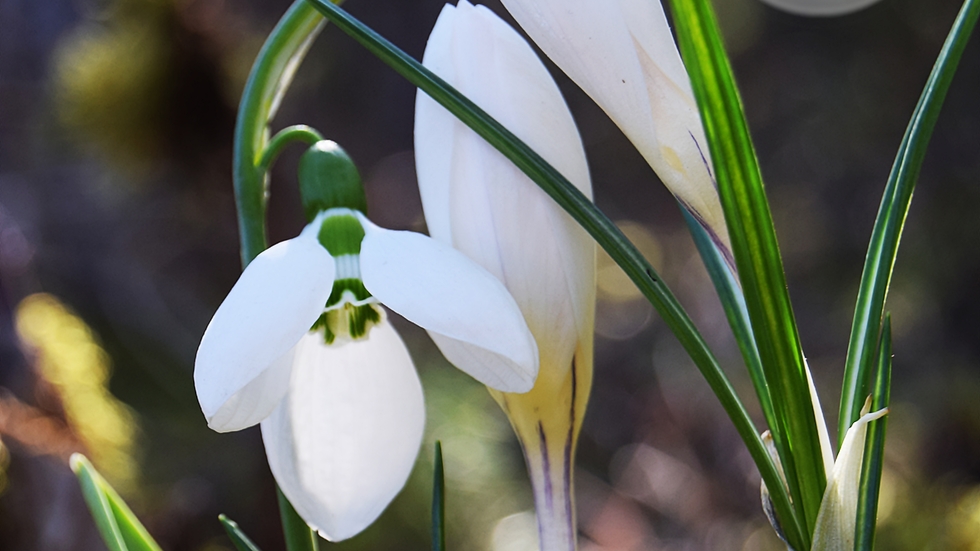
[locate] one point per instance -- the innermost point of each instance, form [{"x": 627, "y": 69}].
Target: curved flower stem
[
  {"x": 268, "y": 81},
  {"x": 299, "y": 132}
]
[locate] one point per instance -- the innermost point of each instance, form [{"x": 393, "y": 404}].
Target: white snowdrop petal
[
  {"x": 342, "y": 443},
  {"x": 437, "y": 288},
  {"x": 275, "y": 301}
]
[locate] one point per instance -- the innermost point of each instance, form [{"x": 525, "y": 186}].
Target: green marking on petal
[
  {"x": 341, "y": 234},
  {"x": 354, "y": 288},
  {"x": 348, "y": 322}
]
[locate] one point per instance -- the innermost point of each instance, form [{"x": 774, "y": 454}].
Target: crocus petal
[
  {"x": 275, "y": 301},
  {"x": 836, "y": 519},
  {"x": 437, "y": 288},
  {"x": 342, "y": 443},
  {"x": 622, "y": 54},
  {"x": 481, "y": 203}
]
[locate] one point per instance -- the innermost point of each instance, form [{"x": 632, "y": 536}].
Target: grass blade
[
  {"x": 733, "y": 302},
  {"x": 887, "y": 233},
  {"x": 119, "y": 527},
  {"x": 874, "y": 446},
  {"x": 606, "y": 234},
  {"x": 756, "y": 252},
  {"x": 438, "y": 502},
  {"x": 235, "y": 534},
  {"x": 585, "y": 213}
]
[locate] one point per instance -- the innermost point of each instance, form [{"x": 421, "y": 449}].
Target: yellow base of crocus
[{"x": 547, "y": 421}]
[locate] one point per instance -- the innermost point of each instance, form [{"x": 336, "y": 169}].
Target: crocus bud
[
  {"x": 480, "y": 203},
  {"x": 622, "y": 54}
]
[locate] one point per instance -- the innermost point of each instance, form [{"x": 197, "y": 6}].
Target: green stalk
[
  {"x": 438, "y": 502},
  {"x": 267, "y": 83},
  {"x": 887, "y": 233},
  {"x": 756, "y": 252},
  {"x": 298, "y": 535},
  {"x": 606, "y": 234}
]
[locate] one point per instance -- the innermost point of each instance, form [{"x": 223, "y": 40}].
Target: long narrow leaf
[
  {"x": 733, "y": 302},
  {"x": 98, "y": 503},
  {"x": 235, "y": 534},
  {"x": 756, "y": 251},
  {"x": 438, "y": 502},
  {"x": 874, "y": 447},
  {"x": 887, "y": 233},
  {"x": 606, "y": 234},
  {"x": 116, "y": 521}
]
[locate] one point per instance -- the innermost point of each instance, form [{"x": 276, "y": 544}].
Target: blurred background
[{"x": 118, "y": 240}]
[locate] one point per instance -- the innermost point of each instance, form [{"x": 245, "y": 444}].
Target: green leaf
[
  {"x": 120, "y": 528},
  {"x": 298, "y": 535},
  {"x": 438, "y": 502},
  {"x": 606, "y": 234},
  {"x": 874, "y": 446},
  {"x": 887, "y": 233},
  {"x": 756, "y": 253},
  {"x": 235, "y": 534},
  {"x": 733, "y": 302}
]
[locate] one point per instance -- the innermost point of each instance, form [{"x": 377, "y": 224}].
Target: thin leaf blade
[
  {"x": 887, "y": 233},
  {"x": 235, "y": 534},
  {"x": 756, "y": 252},
  {"x": 874, "y": 446}
]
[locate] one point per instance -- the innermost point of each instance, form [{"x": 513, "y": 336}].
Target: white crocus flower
[
  {"x": 340, "y": 404},
  {"x": 622, "y": 54},
  {"x": 837, "y": 517},
  {"x": 482, "y": 204}
]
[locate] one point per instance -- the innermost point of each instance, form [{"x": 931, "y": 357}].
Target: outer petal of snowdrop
[
  {"x": 437, "y": 288},
  {"x": 275, "y": 301},
  {"x": 622, "y": 53},
  {"x": 342, "y": 443}
]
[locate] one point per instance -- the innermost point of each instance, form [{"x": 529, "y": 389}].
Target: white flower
[
  {"x": 340, "y": 404},
  {"x": 622, "y": 54},
  {"x": 482, "y": 204}
]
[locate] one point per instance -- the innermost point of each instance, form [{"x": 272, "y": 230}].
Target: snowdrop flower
[
  {"x": 478, "y": 201},
  {"x": 622, "y": 54},
  {"x": 837, "y": 517},
  {"x": 302, "y": 345}
]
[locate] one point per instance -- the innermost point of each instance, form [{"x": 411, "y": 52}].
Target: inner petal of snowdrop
[{"x": 351, "y": 311}]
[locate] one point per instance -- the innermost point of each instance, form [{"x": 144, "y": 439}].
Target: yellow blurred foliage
[{"x": 68, "y": 356}]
